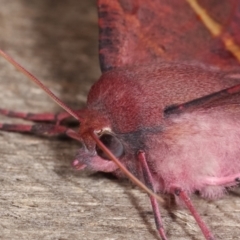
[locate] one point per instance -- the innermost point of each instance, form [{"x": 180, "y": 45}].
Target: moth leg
[
  {"x": 149, "y": 182},
  {"x": 223, "y": 181},
  {"x": 185, "y": 198},
  {"x": 41, "y": 129},
  {"x": 36, "y": 117}
]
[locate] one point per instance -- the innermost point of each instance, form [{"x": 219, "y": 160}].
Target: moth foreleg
[
  {"x": 149, "y": 182},
  {"x": 41, "y": 129},
  {"x": 37, "y": 117}
]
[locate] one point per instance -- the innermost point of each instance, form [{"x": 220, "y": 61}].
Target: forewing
[{"x": 140, "y": 31}]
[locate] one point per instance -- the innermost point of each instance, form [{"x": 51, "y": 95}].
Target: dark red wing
[{"x": 140, "y": 31}]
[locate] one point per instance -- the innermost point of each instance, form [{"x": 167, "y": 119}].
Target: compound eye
[{"x": 113, "y": 144}]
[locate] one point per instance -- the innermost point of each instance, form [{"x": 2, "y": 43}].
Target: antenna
[{"x": 41, "y": 85}]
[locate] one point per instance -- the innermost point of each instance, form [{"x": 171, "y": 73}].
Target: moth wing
[{"x": 135, "y": 32}]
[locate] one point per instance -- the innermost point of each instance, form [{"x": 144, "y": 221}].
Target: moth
[{"x": 174, "y": 125}]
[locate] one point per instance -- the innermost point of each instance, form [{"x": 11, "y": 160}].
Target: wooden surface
[{"x": 41, "y": 197}]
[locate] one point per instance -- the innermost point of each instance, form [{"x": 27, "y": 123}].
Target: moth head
[{"x": 91, "y": 155}]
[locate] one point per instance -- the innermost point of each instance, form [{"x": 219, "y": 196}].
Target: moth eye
[{"x": 113, "y": 144}]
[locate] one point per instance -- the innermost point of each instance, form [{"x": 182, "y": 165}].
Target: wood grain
[{"x": 41, "y": 197}]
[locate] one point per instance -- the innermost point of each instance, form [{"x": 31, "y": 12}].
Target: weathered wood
[{"x": 41, "y": 197}]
